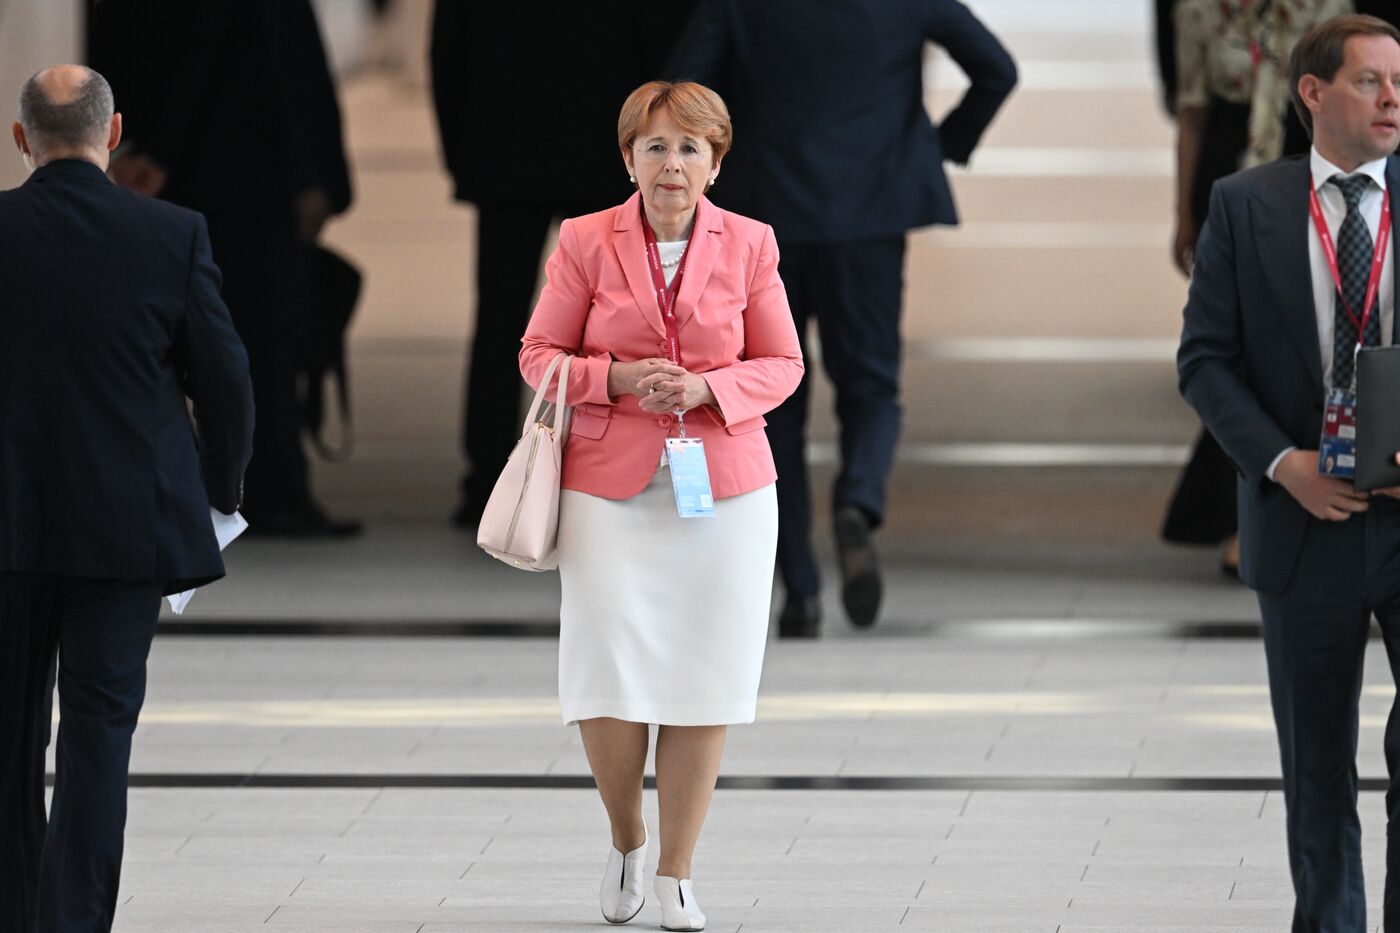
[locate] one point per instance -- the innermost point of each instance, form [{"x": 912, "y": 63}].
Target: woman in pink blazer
[{"x": 664, "y": 619}]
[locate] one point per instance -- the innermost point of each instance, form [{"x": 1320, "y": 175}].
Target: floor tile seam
[{"x": 1025, "y": 784}]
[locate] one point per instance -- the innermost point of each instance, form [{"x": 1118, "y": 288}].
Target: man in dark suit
[
  {"x": 231, "y": 111},
  {"x": 1271, "y": 325},
  {"x": 110, "y": 318},
  {"x": 528, "y": 147},
  {"x": 833, "y": 147}
]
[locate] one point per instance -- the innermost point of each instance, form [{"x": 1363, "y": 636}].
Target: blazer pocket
[
  {"x": 744, "y": 427},
  {"x": 589, "y": 421}
]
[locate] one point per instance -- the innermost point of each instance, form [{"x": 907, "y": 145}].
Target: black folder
[{"x": 1377, "y": 417}]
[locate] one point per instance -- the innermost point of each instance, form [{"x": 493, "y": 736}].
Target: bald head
[{"x": 66, "y": 109}]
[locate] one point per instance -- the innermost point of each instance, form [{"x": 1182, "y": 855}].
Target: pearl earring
[{"x": 631, "y": 179}]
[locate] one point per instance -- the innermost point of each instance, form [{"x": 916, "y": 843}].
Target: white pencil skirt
[{"x": 664, "y": 619}]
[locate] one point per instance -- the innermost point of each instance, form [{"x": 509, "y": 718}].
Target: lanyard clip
[{"x": 680, "y": 422}]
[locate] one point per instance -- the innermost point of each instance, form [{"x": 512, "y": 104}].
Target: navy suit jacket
[
  {"x": 110, "y": 317},
  {"x": 1249, "y": 360},
  {"x": 831, "y": 139}
]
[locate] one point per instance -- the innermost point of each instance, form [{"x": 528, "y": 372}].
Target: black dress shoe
[
  {"x": 861, "y": 586},
  {"x": 801, "y": 617},
  {"x": 304, "y": 521}
]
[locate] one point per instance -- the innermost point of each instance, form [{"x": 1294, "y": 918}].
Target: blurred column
[{"x": 33, "y": 35}]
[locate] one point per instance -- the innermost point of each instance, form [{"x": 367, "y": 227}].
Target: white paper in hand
[{"x": 226, "y": 529}]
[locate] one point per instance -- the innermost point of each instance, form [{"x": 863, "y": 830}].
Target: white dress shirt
[{"x": 1334, "y": 211}]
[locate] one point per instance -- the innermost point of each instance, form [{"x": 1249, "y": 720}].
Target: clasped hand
[
  {"x": 1325, "y": 497},
  {"x": 660, "y": 385}
]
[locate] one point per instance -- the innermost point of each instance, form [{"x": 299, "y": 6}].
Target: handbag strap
[{"x": 560, "y": 404}]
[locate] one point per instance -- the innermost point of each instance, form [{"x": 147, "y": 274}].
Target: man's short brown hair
[{"x": 1322, "y": 50}]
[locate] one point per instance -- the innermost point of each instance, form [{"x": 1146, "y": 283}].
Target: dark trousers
[
  {"x": 1315, "y": 636},
  {"x": 1203, "y": 507},
  {"x": 60, "y": 873},
  {"x": 854, "y": 292},
  {"x": 510, "y": 239},
  {"x": 265, "y": 271}
]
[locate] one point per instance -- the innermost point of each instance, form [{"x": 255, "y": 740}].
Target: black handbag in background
[{"x": 334, "y": 286}]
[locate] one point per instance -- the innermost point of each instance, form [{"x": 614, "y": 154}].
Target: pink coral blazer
[{"x": 735, "y": 330}]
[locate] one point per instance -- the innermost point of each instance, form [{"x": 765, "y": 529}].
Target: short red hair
[{"x": 695, "y": 108}]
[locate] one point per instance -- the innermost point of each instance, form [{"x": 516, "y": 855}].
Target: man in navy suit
[
  {"x": 1270, "y": 326},
  {"x": 110, "y": 318},
  {"x": 835, "y": 150}
]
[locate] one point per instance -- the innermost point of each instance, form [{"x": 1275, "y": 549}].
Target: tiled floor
[
  {"x": 1044, "y": 705},
  {"x": 517, "y": 860}
]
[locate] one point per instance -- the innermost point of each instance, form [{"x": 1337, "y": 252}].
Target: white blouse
[{"x": 670, "y": 253}]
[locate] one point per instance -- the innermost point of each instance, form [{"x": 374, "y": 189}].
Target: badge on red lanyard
[
  {"x": 685, "y": 456},
  {"x": 1336, "y": 452},
  {"x": 1337, "y": 448}
]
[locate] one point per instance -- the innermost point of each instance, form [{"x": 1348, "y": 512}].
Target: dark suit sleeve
[
  {"x": 450, "y": 77},
  {"x": 216, "y": 379},
  {"x": 702, "y": 50},
  {"x": 987, "y": 65},
  {"x": 1210, "y": 361}
]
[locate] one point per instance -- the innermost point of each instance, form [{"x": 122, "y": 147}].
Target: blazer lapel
[
  {"x": 631, "y": 248},
  {"x": 704, "y": 249},
  {"x": 1280, "y": 219}
]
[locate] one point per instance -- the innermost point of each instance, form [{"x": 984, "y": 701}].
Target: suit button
[{"x": 664, "y": 421}]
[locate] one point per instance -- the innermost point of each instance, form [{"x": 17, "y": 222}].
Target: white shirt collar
[{"x": 1322, "y": 170}]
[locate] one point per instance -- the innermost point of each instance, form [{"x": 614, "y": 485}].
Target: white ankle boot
[
  {"x": 679, "y": 908},
  {"x": 620, "y": 894}
]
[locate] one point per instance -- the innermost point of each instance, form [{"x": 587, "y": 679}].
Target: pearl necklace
[{"x": 672, "y": 263}]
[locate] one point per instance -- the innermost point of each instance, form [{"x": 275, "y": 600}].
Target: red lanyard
[
  {"x": 1377, "y": 261},
  {"x": 666, "y": 295}
]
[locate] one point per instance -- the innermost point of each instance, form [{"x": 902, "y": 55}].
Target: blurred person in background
[
  {"x": 842, "y": 159},
  {"x": 1214, "y": 54},
  {"x": 1274, "y": 128},
  {"x": 494, "y": 66},
  {"x": 1232, "y": 111},
  {"x": 231, "y": 110}
]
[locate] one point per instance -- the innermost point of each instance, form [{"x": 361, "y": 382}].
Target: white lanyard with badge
[
  {"x": 690, "y": 474},
  {"x": 1337, "y": 449}
]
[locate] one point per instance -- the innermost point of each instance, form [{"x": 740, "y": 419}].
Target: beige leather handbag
[{"x": 521, "y": 523}]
